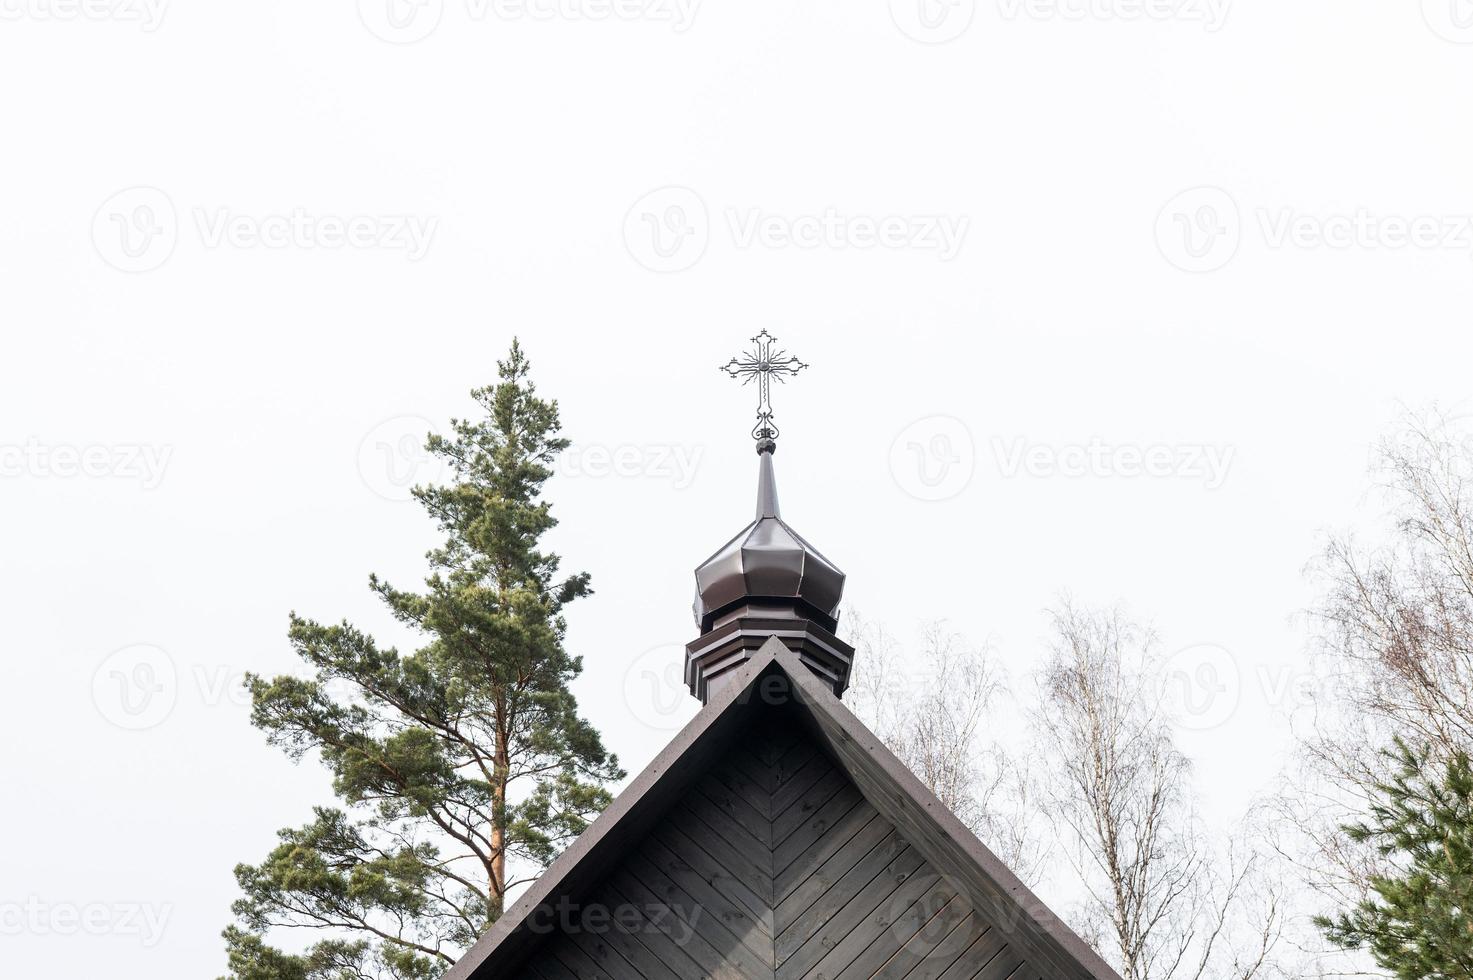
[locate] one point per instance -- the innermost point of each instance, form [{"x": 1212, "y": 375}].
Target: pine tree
[
  {"x": 1419, "y": 923},
  {"x": 463, "y": 767}
]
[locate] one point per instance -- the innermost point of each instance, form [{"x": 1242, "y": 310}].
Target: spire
[
  {"x": 767, "y": 581},
  {"x": 766, "y": 481}
]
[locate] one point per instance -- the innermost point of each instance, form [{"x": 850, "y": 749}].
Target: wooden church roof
[{"x": 776, "y": 837}]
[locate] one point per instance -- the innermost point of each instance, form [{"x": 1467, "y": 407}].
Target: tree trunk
[{"x": 500, "y": 771}]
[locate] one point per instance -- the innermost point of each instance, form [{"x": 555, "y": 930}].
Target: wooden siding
[{"x": 773, "y": 864}]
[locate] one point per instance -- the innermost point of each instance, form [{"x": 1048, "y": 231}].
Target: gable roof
[{"x": 774, "y": 683}]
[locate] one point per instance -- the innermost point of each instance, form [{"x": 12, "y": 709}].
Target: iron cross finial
[{"x": 762, "y": 364}]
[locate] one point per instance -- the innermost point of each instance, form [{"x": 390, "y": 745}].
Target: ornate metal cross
[{"x": 762, "y": 364}]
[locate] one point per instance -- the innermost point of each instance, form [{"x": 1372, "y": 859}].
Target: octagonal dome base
[{"x": 735, "y": 639}]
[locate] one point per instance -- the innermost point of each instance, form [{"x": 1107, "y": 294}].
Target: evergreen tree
[
  {"x": 462, "y": 768},
  {"x": 1419, "y": 923}
]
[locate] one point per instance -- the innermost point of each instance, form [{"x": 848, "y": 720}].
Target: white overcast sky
[{"x": 246, "y": 249}]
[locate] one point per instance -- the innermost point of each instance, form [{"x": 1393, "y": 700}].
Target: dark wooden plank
[
  {"x": 720, "y": 878},
  {"x": 982, "y": 951},
  {"x": 804, "y": 807},
  {"x": 545, "y": 966},
  {"x": 874, "y": 929},
  {"x": 734, "y": 805},
  {"x": 936, "y": 943},
  {"x": 622, "y": 932},
  {"x": 656, "y": 865},
  {"x": 894, "y": 860},
  {"x": 592, "y": 960},
  {"x": 788, "y": 768},
  {"x": 801, "y": 751},
  {"x": 741, "y": 840},
  {"x": 891, "y": 940},
  {"x": 769, "y": 745},
  {"x": 691, "y": 927},
  {"x": 732, "y": 847},
  {"x": 876, "y": 833},
  {"x": 666, "y": 936},
  {"x": 670, "y": 935},
  {"x": 790, "y": 877},
  {"x": 944, "y": 953},
  {"x": 791, "y": 790},
  {"x": 753, "y": 791},
  {"x": 754, "y": 770},
  {"x": 816, "y": 827},
  {"x": 737, "y": 936},
  {"x": 1003, "y": 966},
  {"x": 825, "y": 927}
]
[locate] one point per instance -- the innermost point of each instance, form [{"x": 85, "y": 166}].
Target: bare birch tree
[
  {"x": 1394, "y": 655},
  {"x": 931, "y": 714},
  {"x": 1170, "y": 904}
]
